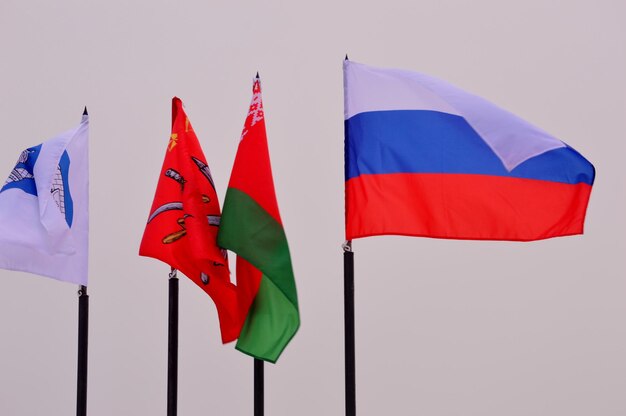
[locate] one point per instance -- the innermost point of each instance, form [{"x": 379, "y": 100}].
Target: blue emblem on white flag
[{"x": 21, "y": 176}]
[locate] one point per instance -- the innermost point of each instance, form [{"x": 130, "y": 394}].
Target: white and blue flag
[{"x": 44, "y": 209}]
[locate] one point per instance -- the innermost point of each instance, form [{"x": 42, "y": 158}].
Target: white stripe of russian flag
[{"x": 511, "y": 138}]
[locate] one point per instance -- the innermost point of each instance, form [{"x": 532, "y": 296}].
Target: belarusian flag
[{"x": 251, "y": 227}]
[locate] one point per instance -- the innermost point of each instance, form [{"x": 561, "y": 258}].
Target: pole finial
[
  {"x": 257, "y": 75},
  {"x": 346, "y": 58},
  {"x": 85, "y": 113}
]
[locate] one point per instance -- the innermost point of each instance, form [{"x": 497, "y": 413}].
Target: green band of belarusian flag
[{"x": 248, "y": 230}]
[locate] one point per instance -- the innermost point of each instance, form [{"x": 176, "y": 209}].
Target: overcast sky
[{"x": 444, "y": 328}]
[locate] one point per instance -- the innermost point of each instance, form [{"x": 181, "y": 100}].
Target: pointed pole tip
[
  {"x": 346, "y": 58},
  {"x": 257, "y": 75},
  {"x": 85, "y": 113}
]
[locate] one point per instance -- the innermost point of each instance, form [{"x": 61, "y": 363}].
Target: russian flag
[{"x": 425, "y": 158}]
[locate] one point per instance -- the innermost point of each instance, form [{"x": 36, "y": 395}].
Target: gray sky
[{"x": 443, "y": 327}]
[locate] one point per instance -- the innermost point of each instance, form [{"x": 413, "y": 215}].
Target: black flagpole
[
  {"x": 83, "y": 334},
  {"x": 259, "y": 407},
  {"x": 348, "y": 304},
  {"x": 259, "y": 382},
  {"x": 172, "y": 346},
  {"x": 348, "y": 316},
  {"x": 83, "y": 343}
]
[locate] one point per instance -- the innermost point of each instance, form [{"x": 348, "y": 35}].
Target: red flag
[{"x": 184, "y": 219}]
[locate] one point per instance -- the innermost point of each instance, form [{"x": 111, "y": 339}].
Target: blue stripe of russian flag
[{"x": 424, "y": 141}]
